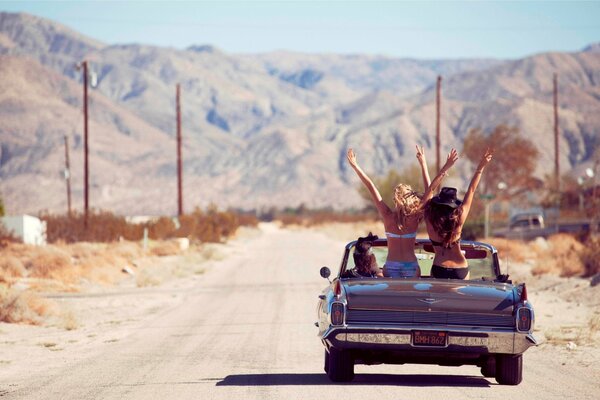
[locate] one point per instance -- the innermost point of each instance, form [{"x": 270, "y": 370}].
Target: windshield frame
[{"x": 420, "y": 244}]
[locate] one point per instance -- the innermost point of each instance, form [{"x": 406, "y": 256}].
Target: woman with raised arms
[
  {"x": 445, "y": 216},
  {"x": 402, "y": 222}
]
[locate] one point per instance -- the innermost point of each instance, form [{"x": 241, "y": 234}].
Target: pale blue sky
[{"x": 419, "y": 29}]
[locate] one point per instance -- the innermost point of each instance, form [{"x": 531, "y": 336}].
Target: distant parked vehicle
[{"x": 528, "y": 226}]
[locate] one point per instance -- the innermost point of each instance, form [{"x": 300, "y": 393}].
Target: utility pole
[
  {"x": 437, "y": 122},
  {"x": 68, "y": 175},
  {"x": 179, "y": 166},
  {"x": 84, "y": 65},
  {"x": 556, "y": 150}
]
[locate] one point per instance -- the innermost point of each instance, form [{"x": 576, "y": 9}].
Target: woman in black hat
[
  {"x": 401, "y": 223},
  {"x": 445, "y": 216}
]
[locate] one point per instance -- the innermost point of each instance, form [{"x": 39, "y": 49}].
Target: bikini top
[
  {"x": 403, "y": 236},
  {"x": 440, "y": 244}
]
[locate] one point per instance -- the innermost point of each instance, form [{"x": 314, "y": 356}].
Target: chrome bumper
[{"x": 459, "y": 339}]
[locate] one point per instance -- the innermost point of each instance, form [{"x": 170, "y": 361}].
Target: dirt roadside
[{"x": 568, "y": 310}]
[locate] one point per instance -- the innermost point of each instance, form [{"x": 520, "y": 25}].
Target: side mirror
[{"x": 325, "y": 273}]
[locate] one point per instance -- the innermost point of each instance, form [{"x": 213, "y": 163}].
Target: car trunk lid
[{"x": 446, "y": 296}]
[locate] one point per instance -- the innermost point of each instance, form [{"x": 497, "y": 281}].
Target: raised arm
[
  {"x": 468, "y": 200},
  {"x": 424, "y": 170},
  {"x": 450, "y": 160},
  {"x": 382, "y": 208}
]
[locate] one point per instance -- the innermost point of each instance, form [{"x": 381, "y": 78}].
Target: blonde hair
[{"x": 407, "y": 202}]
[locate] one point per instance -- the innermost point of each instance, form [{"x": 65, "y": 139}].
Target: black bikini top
[{"x": 440, "y": 244}]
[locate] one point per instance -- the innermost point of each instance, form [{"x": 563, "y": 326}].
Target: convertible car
[{"x": 485, "y": 320}]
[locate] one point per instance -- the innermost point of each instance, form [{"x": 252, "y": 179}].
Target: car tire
[
  {"x": 340, "y": 366},
  {"x": 326, "y": 366},
  {"x": 509, "y": 369},
  {"x": 488, "y": 369}
]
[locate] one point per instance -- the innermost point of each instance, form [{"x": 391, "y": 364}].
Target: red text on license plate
[{"x": 429, "y": 338}]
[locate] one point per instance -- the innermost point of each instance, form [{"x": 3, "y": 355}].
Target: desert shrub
[
  {"x": 246, "y": 219},
  {"x": 165, "y": 248},
  {"x": 313, "y": 217},
  {"x": 126, "y": 249},
  {"x": 514, "y": 250},
  {"x": 11, "y": 267},
  {"x": 6, "y": 236},
  {"x": 211, "y": 225},
  {"x": 162, "y": 228},
  {"x": 23, "y": 307},
  {"x": 590, "y": 256},
  {"x": 561, "y": 257},
  {"x": 47, "y": 262},
  {"x": 102, "y": 226}
]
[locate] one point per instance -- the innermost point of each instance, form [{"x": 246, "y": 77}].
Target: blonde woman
[{"x": 401, "y": 223}]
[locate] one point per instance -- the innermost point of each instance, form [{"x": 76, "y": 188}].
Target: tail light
[
  {"x": 523, "y": 293},
  {"x": 337, "y": 313},
  {"x": 524, "y": 319},
  {"x": 337, "y": 288}
]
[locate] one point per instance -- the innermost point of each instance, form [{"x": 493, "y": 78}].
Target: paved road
[{"x": 246, "y": 332}]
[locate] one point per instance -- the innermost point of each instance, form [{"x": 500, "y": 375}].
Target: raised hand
[
  {"x": 450, "y": 160},
  {"x": 421, "y": 155},
  {"x": 485, "y": 159},
  {"x": 351, "y": 158}
]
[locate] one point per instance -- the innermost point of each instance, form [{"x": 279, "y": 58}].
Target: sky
[{"x": 416, "y": 29}]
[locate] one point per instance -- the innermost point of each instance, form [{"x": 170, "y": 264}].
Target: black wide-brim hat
[{"x": 447, "y": 197}]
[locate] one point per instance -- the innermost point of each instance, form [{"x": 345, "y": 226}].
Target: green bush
[{"x": 473, "y": 230}]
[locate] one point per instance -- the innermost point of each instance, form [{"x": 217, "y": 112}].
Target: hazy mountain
[{"x": 259, "y": 130}]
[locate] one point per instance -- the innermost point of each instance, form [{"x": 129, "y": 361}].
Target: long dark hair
[{"x": 445, "y": 220}]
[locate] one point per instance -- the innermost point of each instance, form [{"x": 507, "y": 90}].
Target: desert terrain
[{"x": 239, "y": 324}]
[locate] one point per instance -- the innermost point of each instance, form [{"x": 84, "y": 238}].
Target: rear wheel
[
  {"x": 339, "y": 365},
  {"x": 326, "y": 367},
  {"x": 509, "y": 369},
  {"x": 488, "y": 369}
]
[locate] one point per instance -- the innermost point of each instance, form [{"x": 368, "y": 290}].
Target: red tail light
[
  {"x": 523, "y": 293},
  {"x": 337, "y": 288},
  {"x": 523, "y": 319},
  {"x": 337, "y": 314}
]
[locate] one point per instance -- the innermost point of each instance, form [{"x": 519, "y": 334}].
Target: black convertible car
[{"x": 485, "y": 321}]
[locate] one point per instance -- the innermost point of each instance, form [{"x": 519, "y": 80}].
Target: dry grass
[
  {"x": 48, "y": 262},
  {"x": 24, "y": 307},
  {"x": 590, "y": 256},
  {"x": 565, "y": 334},
  {"x": 11, "y": 267},
  {"x": 210, "y": 225},
  {"x": 514, "y": 250},
  {"x": 167, "y": 248},
  {"x": 579, "y": 334},
  {"x": 561, "y": 257},
  {"x": 346, "y": 232}
]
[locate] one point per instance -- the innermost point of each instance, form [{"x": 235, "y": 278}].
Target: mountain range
[{"x": 260, "y": 130}]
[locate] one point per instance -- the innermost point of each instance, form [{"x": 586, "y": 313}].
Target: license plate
[{"x": 429, "y": 338}]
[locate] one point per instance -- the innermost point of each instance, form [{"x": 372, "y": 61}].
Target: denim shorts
[{"x": 400, "y": 269}]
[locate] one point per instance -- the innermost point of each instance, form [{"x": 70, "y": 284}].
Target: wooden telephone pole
[
  {"x": 556, "y": 148},
  {"x": 179, "y": 164},
  {"x": 68, "y": 175},
  {"x": 437, "y": 122}
]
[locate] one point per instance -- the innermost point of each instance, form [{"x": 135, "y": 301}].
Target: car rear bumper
[{"x": 460, "y": 339}]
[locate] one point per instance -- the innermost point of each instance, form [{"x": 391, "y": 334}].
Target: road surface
[{"x": 245, "y": 331}]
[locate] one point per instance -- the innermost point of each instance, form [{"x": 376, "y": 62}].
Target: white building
[{"x": 30, "y": 230}]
